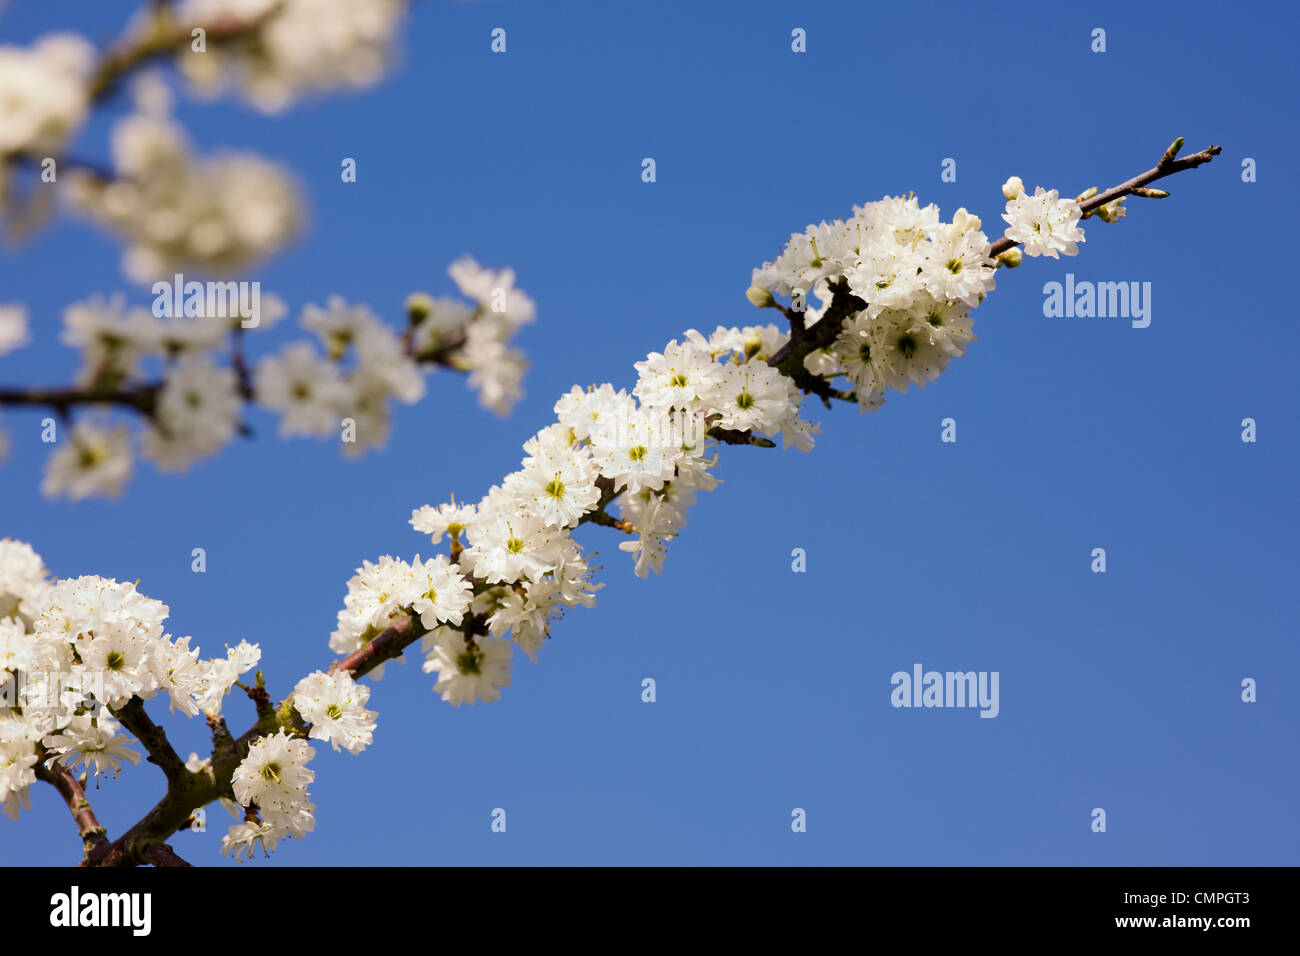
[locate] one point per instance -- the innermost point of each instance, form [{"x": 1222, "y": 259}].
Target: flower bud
[
  {"x": 760, "y": 297},
  {"x": 964, "y": 221},
  {"x": 1013, "y": 188},
  {"x": 1011, "y": 258},
  {"x": 418, "y": 307},
  {"x": 1112, "y": 211}
]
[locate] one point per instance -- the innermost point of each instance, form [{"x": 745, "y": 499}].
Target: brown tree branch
[
  {"x": 92, "y": 833},
  {"x": 160, "y": 854},
  {"x": 154, "y": 739},
  {"x": 1167, "y": 166}
]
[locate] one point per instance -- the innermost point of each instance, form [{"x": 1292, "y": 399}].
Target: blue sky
[{"x": 1118, "y": 690}]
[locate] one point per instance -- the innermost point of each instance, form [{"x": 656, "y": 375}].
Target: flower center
[
  {"x": 907, "y": 346},
  {"x": 271, "y": 772},
  {"x": 638, "y": 453},
  {"x": 468, "y": 663}
]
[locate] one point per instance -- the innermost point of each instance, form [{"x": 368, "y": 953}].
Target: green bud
[
  {"x": 1086, "y": 195},
  {"x": 1011, "y": 258},
  {"x": 419, "y": 306},
  {"x": 1146, "y": 193},
  {"x": 760, "y": 297},
  {"x": 1172, "y": 151}
]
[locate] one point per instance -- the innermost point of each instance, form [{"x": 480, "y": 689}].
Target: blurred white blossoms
[
  {"x": 482, "y": 331},
  {"x": 91, "y": 461},
  {"x": 13, "y": 327},
  {"x": 179, "y": 213},
  {"x": 299, "y": 47},
  {"x": 1044, "y": 223},
  {"x": 43, "y": 92},
  {"x": 188, "y": 378}
]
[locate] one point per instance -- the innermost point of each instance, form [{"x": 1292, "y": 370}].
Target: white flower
[
  {"x": 179, "y": 213},
  {"x": 678, "y": 377},
  {"x": 510, "y": 547},
  {"x": 13, "y": 327},
  {"x": 639, "y": 450},
  {"x": 274, "y": 774},
  {"x": 220, "y": 674},
  {"x": 19, "y": 736},
  {"x": 112, "y": 338},
  {"x": 91, "y": 461},
  {"x": 92, "y": 743},
  {"x": 306, "y": 388},
  {"x": 438, "y": 591},
  {"x": 242, "y": 838},
  {"x": 494, "y": 292},
  {"x": 43, "y": 92},
  {"x": 334, "y": 705},
  {"x": 584, "y": 412},
  {"x": 375, "y": 593},
  {"x": 1044, "y": 223},
  {"x": 467, "y": 674},
  {"x": 753, "y": 397},
  {"x": 24, "y": 581},
  {"x": 304, "y": 46},
  {"x": 557, "y": 482},
  {"x": 907, "y": 353},
  {"x": 449, "y": 519},
  {"x": 197, "y": 414}
]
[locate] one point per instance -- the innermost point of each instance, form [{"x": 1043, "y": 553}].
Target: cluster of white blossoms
[
  {"x": 180, "y": 213},
  {"x": 909, "y": 281},
  {"x": 173, "y": 370},
  {"x": 917, "y": 277},
  {"x": 43, "y": 93},
  {"x": 299, "y": 46},
  {"x": 897, "y": 283},
  {"x": 74, "y": 650},
  {"x": 515, "y": 565},
  {"x": 272, "y": 781}
]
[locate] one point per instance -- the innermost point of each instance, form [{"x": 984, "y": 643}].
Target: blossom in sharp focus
[
  {"x": 1044, "y": 223},
  {"x": 335, "y": 706}
]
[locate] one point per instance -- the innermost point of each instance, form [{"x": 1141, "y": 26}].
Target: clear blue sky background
[{"x": 1119, "y": 690}]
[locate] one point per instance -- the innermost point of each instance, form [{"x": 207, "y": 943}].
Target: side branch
[
  {"x": 92, "y": 833},
  {"x": 1167, "y": 166},
  {"x": 154, "y": 738}
]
